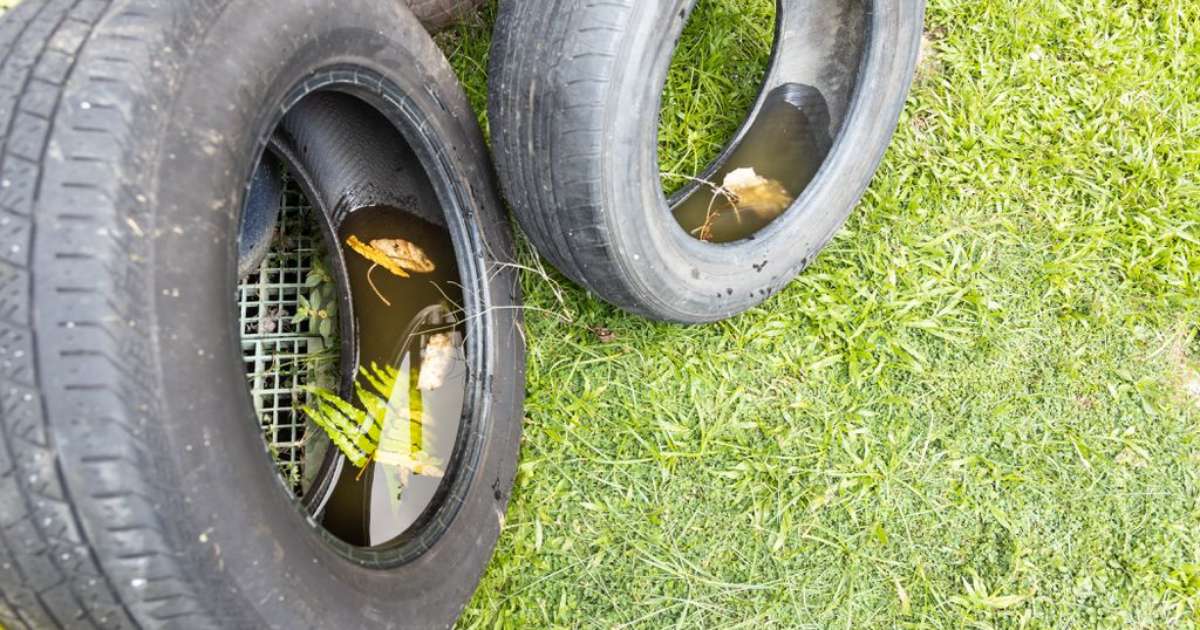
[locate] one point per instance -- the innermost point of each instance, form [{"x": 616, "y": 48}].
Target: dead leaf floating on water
[
  {"x": 757, "y": 194},
  {"x": 376, "y": 256},
  {"x": 436, "y": 360},
  {"x": 743, "y": 192},
  {"x": 405, "y": 254},
  {"x": 394, "y": 254}
]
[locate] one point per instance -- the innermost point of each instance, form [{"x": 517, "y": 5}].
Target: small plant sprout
[{"x": 319, "y": 307}]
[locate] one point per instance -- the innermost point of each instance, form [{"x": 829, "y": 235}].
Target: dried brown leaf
[
  {"x": 374, "y": 255},
  {"x": 405, "y": 254},
  {"x": 757, "y": 194},
  {"x": 604, "y": 335},
  {"x": 437, "y": 358}
]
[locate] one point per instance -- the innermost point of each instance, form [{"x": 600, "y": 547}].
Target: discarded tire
[
  {"x": 574, "y": 95},
  {"x": 135, "y": 488}
]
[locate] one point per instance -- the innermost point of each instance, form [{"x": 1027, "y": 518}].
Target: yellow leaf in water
[
  {"x": 375, "y": 256},
  {"x": 405, "y": 254},
  {"x": 757, "y": 194}
]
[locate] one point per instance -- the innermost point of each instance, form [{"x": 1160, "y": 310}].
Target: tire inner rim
[
  {"x": 800, "y": 110},
  {"x": 352, "y": 327}
]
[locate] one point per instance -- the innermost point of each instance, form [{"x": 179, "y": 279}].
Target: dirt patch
[
  {"x": 929, "y": 61},
  {"x": 1184, "y": 364}
]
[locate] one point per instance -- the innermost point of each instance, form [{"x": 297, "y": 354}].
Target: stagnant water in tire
[
  {"x": 411, "y": 380},
  {"x": 366, "y": 456},
  {"x": 766, "y": 171},
  {"x": 754, "y": 175}
]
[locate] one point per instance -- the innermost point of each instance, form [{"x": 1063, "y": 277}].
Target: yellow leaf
[
  {"x": 375, "y": 256},
  {"x": 405, "y": 254}
]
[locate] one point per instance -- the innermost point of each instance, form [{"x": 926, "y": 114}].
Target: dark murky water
[
  {"x": 785, "y": 146},
  {"x": 419, "y": 335}
]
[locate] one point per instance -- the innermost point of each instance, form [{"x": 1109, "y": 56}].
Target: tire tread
[
  {"x": 558, "y": 206},
  {"x": 51, "y": 576}
]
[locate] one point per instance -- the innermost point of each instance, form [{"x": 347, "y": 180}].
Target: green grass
[
  {"x": 978, "y": 408},
  {"x": 720, "y": 60},
  {"x": 974, "y": 408}
]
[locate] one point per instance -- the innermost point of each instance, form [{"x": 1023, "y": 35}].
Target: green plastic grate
[{"x": 281, "y": 357}]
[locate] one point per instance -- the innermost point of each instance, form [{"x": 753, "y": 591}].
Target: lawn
[{"x": 978, "y": 408}]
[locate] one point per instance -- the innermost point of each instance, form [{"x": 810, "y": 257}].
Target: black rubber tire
[
  {"x": 439, "y": 14},
  {"x": 574, "y": 101},
  {"x": 134, "y": 489}
]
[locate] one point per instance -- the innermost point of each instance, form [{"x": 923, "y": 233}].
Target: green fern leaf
[{"x": 355, "y": 430}]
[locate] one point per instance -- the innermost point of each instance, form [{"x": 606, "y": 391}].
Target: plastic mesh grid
[{"x": 279, "y": 356}]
